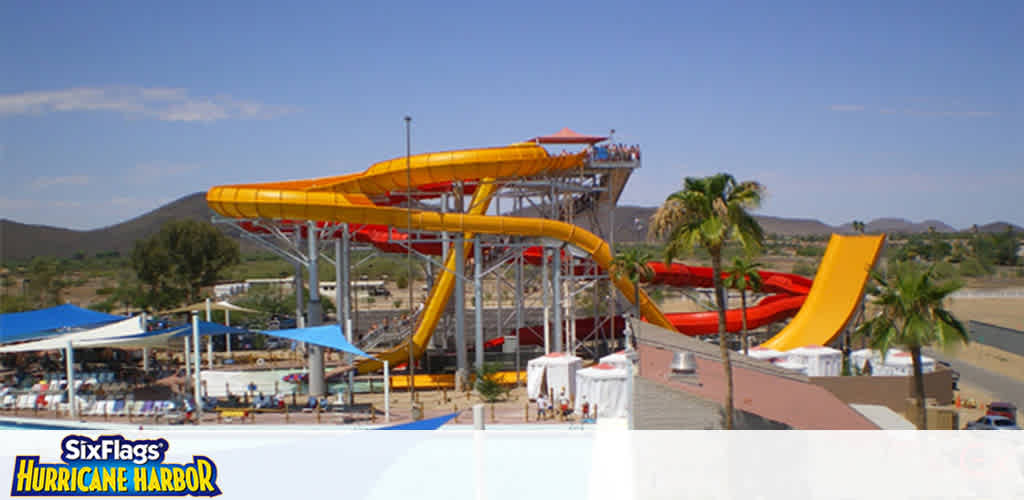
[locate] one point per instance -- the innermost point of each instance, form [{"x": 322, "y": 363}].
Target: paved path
[{"x": 1002, "y": 387}]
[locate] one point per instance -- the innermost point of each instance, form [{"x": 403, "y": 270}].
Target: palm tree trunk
[
  {"x": 743, "y": 341},
  {"x": 636, "y": 301},
  {"x": 636, "y": 293},
  {"x": 915, "y": 353},
  {"x": 716, "y": 272}
]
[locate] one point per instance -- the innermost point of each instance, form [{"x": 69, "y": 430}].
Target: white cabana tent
[
  {"x": 622, "y": 359},
  {"x": 607, "y": 387},
  {"x": 552, "y": 371},
  {"x": 902, "y": 364},
  {"x": 766, "y": 354},
  {"x": 897, "y": 363},
  {"x": 820, "y": 361}
]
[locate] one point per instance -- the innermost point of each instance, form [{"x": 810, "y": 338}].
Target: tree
[
  {"x": 183, "y": 257},
  {"x": 858, "y": 226},
  {"x": 45, "y": 283},
  {"x": 487, "y": 383},
  {"x": 709, "y": 212},
  {"x": 743, "y": 275},
  {"x": 631, "y": 264},
  {"x": 911, "y": 314}
]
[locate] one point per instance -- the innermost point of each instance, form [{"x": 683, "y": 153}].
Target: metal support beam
[
  {"x": 478, "y": 302},
  {"x": 519, "y": 309},
  {"x": 69, "y": 358},
  {"x": 197, "y": 389},
  {"x": 317, "y": 387},
  {"x": 461, "y": 371},
  {"x": 188, "y": 360},
  {"x": 209, "y": 338},
  {"x": 556, "y": 292},
  {"x": 344, "y": 282},
  {"x": 546, "y": 288}
]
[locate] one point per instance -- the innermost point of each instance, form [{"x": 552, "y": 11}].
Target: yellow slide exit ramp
[{"x": 837, "y": 290}]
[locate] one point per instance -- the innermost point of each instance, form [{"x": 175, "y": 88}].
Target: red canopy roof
[{"x": 566, "y": 136}]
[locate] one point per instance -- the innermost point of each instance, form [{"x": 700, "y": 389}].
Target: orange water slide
[
  {"x": 351, "y": 199},
  {"x": 363, "y": 199}
]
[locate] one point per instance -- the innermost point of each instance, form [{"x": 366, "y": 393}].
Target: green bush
[
  {"x": 804, "y": 269},
  {"x": 946, "y": 270},
  {"x": 402, "y": 282},
  {"x": 810, "y": 251},
  {"x": 397, "y": 303},
  {"x": 657, "y": 295},
  {"x": 107, "y": 290},
  {"x": 487, "y": 384},
  {"x": 974, "y": 268}
]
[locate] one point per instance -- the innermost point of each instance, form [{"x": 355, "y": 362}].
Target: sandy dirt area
[{"x": 1007, "y": 313}]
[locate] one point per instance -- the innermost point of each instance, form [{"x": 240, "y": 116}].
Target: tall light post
[{"x": 408, "y": 256}]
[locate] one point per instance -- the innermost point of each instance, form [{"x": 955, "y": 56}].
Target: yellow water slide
[
  {"x": 837, "y": 290},
  {"x": 350, "y": 198}
]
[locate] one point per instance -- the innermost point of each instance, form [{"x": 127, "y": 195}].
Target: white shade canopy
[
  {"x": 222, "y": 305},
  {"x": 89, "y": 338}
]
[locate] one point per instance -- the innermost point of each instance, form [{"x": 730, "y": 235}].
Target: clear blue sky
[{"x": 844, "y": 110}]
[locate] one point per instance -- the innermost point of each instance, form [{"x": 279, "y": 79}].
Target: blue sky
[{"x": 844, "y": 110}]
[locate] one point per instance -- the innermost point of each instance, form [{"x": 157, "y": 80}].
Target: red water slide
[{"x": 788, "y": 290}]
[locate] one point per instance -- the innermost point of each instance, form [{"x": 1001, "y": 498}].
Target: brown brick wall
[
  {"x": 889, "y": 391},
  {"x": 792, "y": 401}
]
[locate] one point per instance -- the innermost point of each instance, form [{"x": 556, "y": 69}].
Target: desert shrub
[
  {"x": 657, "y": 295},
  {"x": 804, "y": 269},
  {"x": 974, "y": 268},
  {"x": 402, "y": 282},
  {"x": 946, "y": 270},
  {"x": 810, "y": 251},
  {"x": 487, "y": 383}
]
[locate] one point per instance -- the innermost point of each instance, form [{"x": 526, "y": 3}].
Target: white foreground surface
[{"x": 595, "y": 463}]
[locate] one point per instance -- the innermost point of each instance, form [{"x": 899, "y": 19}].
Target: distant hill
[
  {"x": 23, "y": 241},
  {"x": 998, "y": 227}
]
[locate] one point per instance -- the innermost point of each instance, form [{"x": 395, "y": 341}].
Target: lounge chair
[
  {"x": 85, "y": 407},
  {"x": 133, "y": 408},
  {"x": 310, "y": 405}
]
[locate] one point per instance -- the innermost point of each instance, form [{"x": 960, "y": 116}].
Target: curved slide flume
[
  {"x": 353, "y": 199},
  {"x": 837, "y": 291},
  {"x": 350, "y": 199}
]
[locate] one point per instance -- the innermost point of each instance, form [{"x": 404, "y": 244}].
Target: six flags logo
[{"x": 113, "y": 466}]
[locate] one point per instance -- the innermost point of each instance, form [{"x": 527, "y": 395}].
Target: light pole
[{"x": 408, "y": 257}]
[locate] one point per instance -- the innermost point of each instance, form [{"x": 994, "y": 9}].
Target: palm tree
[
  {"x": 741, "y": 276},
  {"x": 912, "y": 315},
  {"x": 631, "y": 264},
  {"x": 708, "y": 212}
]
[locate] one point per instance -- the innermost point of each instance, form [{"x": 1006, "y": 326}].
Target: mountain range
[{"x": 23, "y": 241}]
